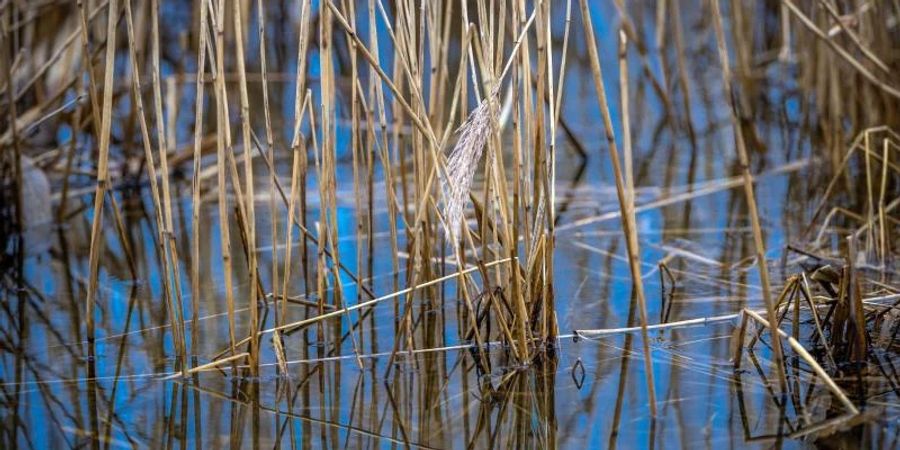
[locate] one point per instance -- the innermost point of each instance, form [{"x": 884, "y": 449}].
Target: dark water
[{"x": 580, "y": 394}]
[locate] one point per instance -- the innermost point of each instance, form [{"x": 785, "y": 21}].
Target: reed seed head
[{"x": 461, "y": 166}]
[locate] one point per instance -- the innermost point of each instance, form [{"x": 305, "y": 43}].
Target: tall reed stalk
[
  {"x": 102, "y": 170},
  {"x": 747, "y": 177},
  {"x": 625, "y": 193},
  {"x": 196, "y": 200}
]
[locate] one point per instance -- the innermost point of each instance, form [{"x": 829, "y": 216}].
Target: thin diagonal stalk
[
  {"x": 743, "y": 160},
  {"x": 628, "y": 224}
]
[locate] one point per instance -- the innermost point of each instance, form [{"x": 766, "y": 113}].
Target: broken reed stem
[
  {"x": 338, "y": 312},
  {"x": 743, "y": 160},
  {"x": 298, "y": 171},
  {"x": 786, "y": 294},
  {"x": 807, "y": 294},
  {"x": 857, "y": 315},
  {"x": 210, "y": 365},
  {"x": 628, "y": 215},
  {"x": 383, "y": 298},
  {"x": 596, "y": 333},
  {"x": 832, "y": 386}
]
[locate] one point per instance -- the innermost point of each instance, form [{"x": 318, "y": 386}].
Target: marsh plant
[{"x": 256, "y": 192}]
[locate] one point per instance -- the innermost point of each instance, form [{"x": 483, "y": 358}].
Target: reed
[
  {"x": 163, "y": 237},
  {"x": 749, "y": 194},
  {"x": 624, "y": 192},
  {"x": 423, "y": 176},
  {"x": 196, "y": 199},
  {"x": 102, "y": 171},
  {"x": 223, "y": 142},
  {"x": 249, "y": 199}
]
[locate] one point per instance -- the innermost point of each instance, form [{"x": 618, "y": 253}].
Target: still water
[{"x": 582, "y": 393}]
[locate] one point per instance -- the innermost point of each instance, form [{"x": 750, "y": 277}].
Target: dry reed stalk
[
  {"x": 801, "y": 351},
  {"x": 857, "y": 315},
  {"x": 870, "y": 202},
  {"x": 882, "y": 215},
  {"x": 525, "y": 126},
  {"x": 562, "y": 75},
  {"x": 421, "y": 124},
  {"x": 376, "y": 97},
  {"x": 832, "y": 11},
  {"x": 325, "y": 165},
  {"x": 300, "y": 76},
  {"x": 335, "y": 313},
  {"x": 855, "y": 145},
  {"x": 249, "y": 203},
  {"x": 661, "y": 8},
  {"x": 88, "y": 64},
  {"x": 222, "y": 134},
  {"x": 270, "y": 147},
  {"x": 300, "y": 157},
  {"x": 743, "y": 160},
  {"x": 298, "y": 171},
  {"x": 286, "y": 274},
  {"x": 102, "y": 170},
  {"x": 541, "y": 274},
  {"x": 859, "y": 67},
  {"x": 196, "y": 201},
  {"x": 807, "y": 294},
  {"x": 625, "y": 205},
  {"x": 150, "y": 162},
  {"x": 213, "y": 364},
  {"x": 164, "y": 174},
  {"x": 362, "y": 215}
]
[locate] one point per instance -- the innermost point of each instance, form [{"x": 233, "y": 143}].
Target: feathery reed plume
[
  {"x": 473, "y": 135},
  {"x": 462, "y": 163}
]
